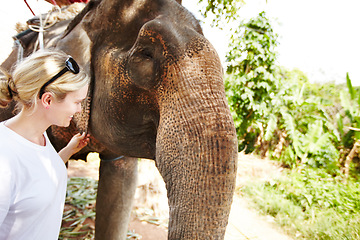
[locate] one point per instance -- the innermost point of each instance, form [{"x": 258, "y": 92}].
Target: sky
[
  {"x": 319, "y": 37},
  {"x": 12, "y": 12}
]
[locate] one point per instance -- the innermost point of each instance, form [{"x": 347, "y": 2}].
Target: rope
[
  {"x": 29, "y": 7},
  {"x": 41, "y": 32},
  {"x": 20, "y": 53},
  {"x": 48, "y": 24},
  {"x": 44, "y": 24}
]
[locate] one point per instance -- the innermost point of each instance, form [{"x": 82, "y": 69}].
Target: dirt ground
[{"x": 244, "y": 222}]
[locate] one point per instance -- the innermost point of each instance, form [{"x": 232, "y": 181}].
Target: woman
[{"x": 48, "y": 88}]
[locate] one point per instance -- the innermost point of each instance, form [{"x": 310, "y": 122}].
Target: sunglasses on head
[{"x": 70, "y": 65}]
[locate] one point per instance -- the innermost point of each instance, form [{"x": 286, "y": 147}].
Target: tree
[
  {"x": 221, "y": 11},
  {"x": 272, "y": 108},
  {"x": 250, "y": 77}
]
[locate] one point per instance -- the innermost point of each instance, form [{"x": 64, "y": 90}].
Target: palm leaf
[
  {"x": 270, "y": 128},
  {"x": 350, "y": 87},
  {"x": 340, "y": 124}
]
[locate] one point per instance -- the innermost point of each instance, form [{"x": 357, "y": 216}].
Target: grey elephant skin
[{"x": 156, "y": 92}]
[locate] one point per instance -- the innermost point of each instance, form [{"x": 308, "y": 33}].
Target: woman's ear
[{"x": 46, "y": 100}]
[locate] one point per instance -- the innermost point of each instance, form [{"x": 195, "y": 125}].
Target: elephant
[{"x": 156, "y": 92}]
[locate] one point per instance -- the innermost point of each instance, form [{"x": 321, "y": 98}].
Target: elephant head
[{"x": 157, "y": 92}]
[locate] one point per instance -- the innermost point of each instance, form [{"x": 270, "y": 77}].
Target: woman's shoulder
[
  {"x": 8, "y": 160},
  {"x": 4, "y": 134},
  {"x": 7, "y": 145}
]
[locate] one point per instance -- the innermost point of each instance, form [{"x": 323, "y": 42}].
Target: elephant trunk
[{"x": 197, "y": 148}]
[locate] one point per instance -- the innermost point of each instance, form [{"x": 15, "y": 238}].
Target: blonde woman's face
[{"x": 62, "y": 112}]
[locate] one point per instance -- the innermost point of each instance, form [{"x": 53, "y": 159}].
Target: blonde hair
[{"x": 28, "y": 76}]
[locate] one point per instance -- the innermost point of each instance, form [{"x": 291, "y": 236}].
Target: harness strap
[{"x": 111, "y": 160}]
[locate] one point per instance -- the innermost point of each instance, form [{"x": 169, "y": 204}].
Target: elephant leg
[{"x": 116, "y": 190}]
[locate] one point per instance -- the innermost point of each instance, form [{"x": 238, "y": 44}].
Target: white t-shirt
[{"x": 33, "y": 182}]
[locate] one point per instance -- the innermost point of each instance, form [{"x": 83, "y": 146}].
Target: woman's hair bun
[{"x": 7, "y": 91}]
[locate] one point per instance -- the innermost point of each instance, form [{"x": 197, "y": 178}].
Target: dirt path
[{"x": 244, "y": 223}]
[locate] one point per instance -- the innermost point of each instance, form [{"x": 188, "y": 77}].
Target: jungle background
[{"x": 302, "y": 124}]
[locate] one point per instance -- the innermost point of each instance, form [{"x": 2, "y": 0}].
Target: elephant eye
[
  {"x": 147, "y": 53},
  {"x": 142, "y": 67}
]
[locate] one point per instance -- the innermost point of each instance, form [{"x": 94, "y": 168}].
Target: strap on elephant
[{"x": 113, "y": 159}]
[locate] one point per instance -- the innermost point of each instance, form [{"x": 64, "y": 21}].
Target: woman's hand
[{"x": 77, "y": 142}]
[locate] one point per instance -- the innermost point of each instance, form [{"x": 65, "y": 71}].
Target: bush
[{"x": 311, "y": 204}]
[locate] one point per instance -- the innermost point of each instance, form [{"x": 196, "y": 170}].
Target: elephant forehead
[
  {"x": 169, "y": 31},
  {"x": 132, "y": 11},
  {"x": 119, "y": 22}
]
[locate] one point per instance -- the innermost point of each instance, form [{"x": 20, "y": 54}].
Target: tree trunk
[
  {"x": 279, "y": 147},
  {"x": 349, "y": 158}
]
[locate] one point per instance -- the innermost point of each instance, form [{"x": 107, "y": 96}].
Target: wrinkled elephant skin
[{"x": 157, "y": 93}]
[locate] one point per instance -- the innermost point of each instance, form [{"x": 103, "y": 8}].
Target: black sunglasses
[{"x": 70, "y": 65}]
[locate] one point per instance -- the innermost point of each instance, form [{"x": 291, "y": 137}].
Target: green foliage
[
  {"x": 268, "y": 102},
  {"x": 250, "y": 78},
  {"x": 349, "y": 114},
  {"x": 253, "y": 48},
  {"x": 221, "y": 11},
  {"x": 311, "y": 204},
  {"x": 311, "y": 138}
]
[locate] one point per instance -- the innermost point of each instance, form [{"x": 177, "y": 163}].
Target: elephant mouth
[{"x": 150, "y": 150}]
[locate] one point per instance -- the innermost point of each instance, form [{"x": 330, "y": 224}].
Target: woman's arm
[{"x": 76, "y": 143}]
